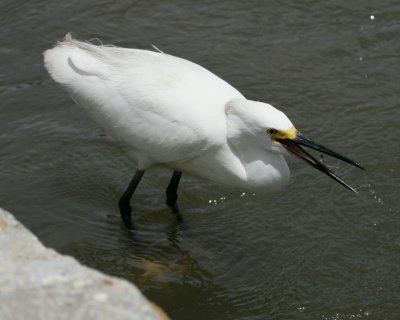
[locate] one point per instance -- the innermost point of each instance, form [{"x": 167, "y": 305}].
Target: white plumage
[{"x": 171, "y": 112}]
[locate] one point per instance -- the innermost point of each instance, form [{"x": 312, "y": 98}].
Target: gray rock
[{"x": 38, "y": 283}]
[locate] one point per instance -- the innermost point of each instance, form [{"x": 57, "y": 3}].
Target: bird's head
[{"x": 272, "y": 128}]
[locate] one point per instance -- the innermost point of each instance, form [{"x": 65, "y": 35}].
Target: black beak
[{"x": 294, "y": 147}]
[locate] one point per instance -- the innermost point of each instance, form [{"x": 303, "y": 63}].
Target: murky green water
[{"x": 313, "y": 251}]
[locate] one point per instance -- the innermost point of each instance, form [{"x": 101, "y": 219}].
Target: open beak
[{"x": 293, "y": 145}]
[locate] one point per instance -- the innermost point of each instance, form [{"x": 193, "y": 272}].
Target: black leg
[
  {"x": 172, "y": 195},
  {"x": 124, "y": 206}
]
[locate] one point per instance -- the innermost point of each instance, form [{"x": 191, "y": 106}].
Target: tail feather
[{"x": 70, "y": 59}]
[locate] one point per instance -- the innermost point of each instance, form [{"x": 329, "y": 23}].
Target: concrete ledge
[{"x": 38, "y": 283}]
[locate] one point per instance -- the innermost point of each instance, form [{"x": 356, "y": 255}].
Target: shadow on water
[
  {"x": 156, "y": 259},
  {"x": 186, "y": 287}
]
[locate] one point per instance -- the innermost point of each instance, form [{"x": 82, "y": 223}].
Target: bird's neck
[{"x": 264, "y": 169}]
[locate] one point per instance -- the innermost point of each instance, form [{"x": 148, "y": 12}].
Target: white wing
[{"x": 166, "y": 109}]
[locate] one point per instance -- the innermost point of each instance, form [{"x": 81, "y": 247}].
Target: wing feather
[{"x": 166, "y": 109}]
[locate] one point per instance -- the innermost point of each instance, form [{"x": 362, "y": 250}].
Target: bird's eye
[{"x": 271, "y": 131}]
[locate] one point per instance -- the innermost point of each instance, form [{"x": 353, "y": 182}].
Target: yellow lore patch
[{"x": 287, "y": 134}]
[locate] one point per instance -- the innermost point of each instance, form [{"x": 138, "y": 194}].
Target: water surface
[{"x": 312, "y": 251}]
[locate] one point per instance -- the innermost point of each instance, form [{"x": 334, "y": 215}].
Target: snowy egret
[{"x": 174, "y": 113}]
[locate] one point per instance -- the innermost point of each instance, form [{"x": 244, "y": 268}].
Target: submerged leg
[
  {"x": 172, "y": 195},
  {"x": 124, "y": 206}
]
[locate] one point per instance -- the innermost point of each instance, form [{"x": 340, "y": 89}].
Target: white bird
[{"x": 174, "y": 113}]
